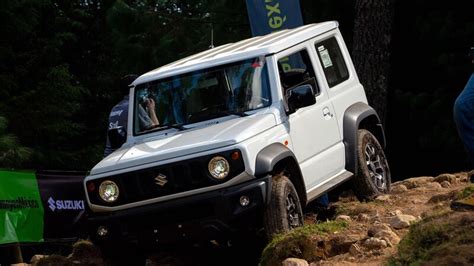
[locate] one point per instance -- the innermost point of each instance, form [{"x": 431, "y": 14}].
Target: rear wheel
[
  {"x": 373, "y": 177},
  {"x": 284, "y": 211}
]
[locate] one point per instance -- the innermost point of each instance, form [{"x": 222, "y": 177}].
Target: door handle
[{"x": 327, "y": 113}]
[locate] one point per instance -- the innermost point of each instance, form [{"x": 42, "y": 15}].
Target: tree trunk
[{"x": 371, "y": 49}]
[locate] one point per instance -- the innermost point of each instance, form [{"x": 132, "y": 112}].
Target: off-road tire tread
[
  {"x": 363, "y": 188},
  {"x": 273, "y": 221}
]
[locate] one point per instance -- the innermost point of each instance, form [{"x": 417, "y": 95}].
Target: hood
[{"x": 172, "y": 144}]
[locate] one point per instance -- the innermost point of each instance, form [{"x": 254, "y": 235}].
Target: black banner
[{"x": 63, "y": 197}]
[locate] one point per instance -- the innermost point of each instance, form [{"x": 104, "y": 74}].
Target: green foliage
[
  {"x": 466, "y": 192},
  {"x": 297, "y": 243},
  {"x": 435, "y": 239},
  {"x": 12, "y": 154},
  {"x": 60, "y": 62}
]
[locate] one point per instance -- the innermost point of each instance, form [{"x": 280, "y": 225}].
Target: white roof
[{"x": 245, "y": 49}]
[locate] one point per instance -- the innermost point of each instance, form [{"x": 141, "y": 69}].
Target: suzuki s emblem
[{"x": 161, "y": 180}]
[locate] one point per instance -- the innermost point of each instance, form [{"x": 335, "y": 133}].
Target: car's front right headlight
[
  {"x": 108, "y": 191},
  {"x": 218, "y": 168}
]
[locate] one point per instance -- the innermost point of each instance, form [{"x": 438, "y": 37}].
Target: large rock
[
  {"x": 383, "y": 198},
  {"x": 399, "y": 189},
  {"x": 445, "y": 184},
  {"x": 295, "y": 262},
  {"x": 389, "y": 236},
  {"x": 86, "y": 253},
  {"x": 433, "y": 185},
  {"x": 446, "y": 177},
  {"x": 341, "y": 244},
  {"x": 375, "y": 243},
  {"x": 363, "y": 217},
  {"x": 417, "y": 181},
  {"x": 36, "y": 258},
  {"x": 374, "y": 229},
  {"x": 343, "y": 218},
  {"x": 402, "y": 221},
  {"x": 465, "y": 176},
  {"x": 395, "y": 212},
  {"x": 443, "y": 197}
]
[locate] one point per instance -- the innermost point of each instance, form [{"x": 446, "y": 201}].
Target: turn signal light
[
  {"x": 235, "y": 155},
  {"x": 90, "y": 186}
]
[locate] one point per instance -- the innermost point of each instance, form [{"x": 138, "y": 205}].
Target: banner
[
  {"x": 21, "y": 211},
  {"x": 63, "y": 199},
  {"x": 48, "y": 205},
  {"x": 267, "y": 16}
]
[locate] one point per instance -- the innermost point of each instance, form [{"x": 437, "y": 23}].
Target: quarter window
[{"x": 332, "y": 61}]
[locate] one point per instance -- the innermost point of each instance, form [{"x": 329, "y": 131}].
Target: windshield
[{"x": 201, "y": 95}]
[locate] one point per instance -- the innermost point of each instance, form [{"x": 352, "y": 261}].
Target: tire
[
  {"x": 373, "y": 174},
  {"x": 283, "y": 211}
]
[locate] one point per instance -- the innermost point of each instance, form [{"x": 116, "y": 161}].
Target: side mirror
[
  {"x": 299, "y": 97},
  {"x": 117, "y": 137}
]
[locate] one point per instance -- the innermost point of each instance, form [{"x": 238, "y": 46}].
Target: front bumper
[{"x": 210, "y": 215}]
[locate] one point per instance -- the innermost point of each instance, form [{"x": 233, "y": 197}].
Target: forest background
[{"x": 61, "y": 61}]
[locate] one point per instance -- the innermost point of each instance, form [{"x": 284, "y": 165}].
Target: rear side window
[{"x": 332, "y": 61}]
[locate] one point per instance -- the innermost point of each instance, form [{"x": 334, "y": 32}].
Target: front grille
[{"x": 166, "y": 179}]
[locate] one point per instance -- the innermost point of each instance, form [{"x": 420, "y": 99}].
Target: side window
[
  {"x": 295, "y": 70},
  {"x": 332, "y": 61}
]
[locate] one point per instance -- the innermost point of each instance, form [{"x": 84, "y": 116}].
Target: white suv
[{"x": 248, "y": 134}]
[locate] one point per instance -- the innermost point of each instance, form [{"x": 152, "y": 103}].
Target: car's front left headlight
[
  {"x": 108, "y": 191},
  {"x": 219, "y": 167}
]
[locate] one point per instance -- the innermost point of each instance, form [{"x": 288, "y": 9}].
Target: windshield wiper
[{"x": 167, "y": 126}]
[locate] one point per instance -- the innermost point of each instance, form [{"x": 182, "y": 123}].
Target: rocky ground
[
  {"x": 391, "y": 228},
  {"x": 372, "y": 231}
]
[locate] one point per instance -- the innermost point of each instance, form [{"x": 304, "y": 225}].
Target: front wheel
[
  {"x": 373, "y": 177},
  {"x": 284, "y": 211}
]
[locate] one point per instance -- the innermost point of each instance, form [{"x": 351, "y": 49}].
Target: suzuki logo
[
  {"x": 52, "y": 204},
  {"x": 161, "y": 180},
  {"x": 65, "y": 204}
]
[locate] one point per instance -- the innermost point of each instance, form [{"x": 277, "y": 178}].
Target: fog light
[
  {"x": 244, "y": 201},
  {"x": 102, "y": 231}
]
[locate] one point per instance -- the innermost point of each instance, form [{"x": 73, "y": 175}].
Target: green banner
[{"x": 21, "y": 211}]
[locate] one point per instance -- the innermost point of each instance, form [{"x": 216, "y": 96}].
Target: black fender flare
[
  {"x": 269, "y": 156},
  {"x": 268, "y": 160},
  {"x": 353, "y": 116}
]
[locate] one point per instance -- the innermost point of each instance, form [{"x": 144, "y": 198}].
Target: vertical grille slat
[{"x": 197, "y": 178}]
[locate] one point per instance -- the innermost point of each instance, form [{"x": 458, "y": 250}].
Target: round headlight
[
  {"x": 218, "y": 167},
  {"x": 108, "y": 191}
]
